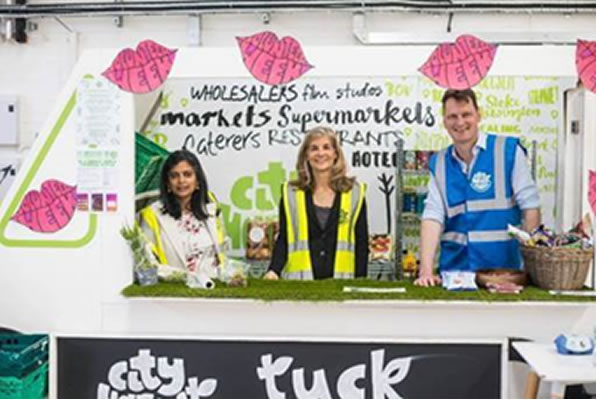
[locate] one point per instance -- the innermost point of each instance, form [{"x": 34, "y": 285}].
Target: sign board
[
  {"x": 182, "y": 368},
  {"x": 247, "y": 134}
]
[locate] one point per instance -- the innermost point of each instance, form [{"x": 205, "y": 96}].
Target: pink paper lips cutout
[
  {"x": 143, "y": 70},
  {"x": 460, "y": 65},
  {"x": 273, "y": 61},
  {"x": 49, "y": 210},
  {"x": 585, "y": 63}
]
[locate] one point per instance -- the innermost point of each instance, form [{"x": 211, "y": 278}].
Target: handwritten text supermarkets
[{"x": 261, "y": 126}]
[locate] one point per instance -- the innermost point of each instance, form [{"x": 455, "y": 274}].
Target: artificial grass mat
[{"x": 331, "y": 290}]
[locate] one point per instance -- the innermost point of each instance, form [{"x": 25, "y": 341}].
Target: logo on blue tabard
[{"x": 481, "y": 182}]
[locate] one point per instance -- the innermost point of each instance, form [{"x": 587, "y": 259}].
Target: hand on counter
[
  {"x": 427, "y": 279},
  {"x": 271, "y": 276}
]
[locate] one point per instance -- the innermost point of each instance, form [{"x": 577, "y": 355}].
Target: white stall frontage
[{"x": 65, "y": 276}]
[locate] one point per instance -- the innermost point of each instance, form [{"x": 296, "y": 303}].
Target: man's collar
[
  {"x": 481, "y": 144},
  {"x": 481, "y": 141}
]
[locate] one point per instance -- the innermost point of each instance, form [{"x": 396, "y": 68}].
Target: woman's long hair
[
  {"x": 199, "y": 198},
  {"x": 339, "y": 181}
]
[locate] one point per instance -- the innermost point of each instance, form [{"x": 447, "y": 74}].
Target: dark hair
[
  {"x": 199, "y": 197},
  {"x": 466, "y": 95}
]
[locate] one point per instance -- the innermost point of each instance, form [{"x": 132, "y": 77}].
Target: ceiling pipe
[
  {"x": 366, "y": 37},
  {"x": 132, "y": 8}
]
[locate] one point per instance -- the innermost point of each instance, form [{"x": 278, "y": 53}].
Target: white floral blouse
[{"x": 197, "y": 243}]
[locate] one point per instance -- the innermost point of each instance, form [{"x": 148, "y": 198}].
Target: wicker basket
[{"x": 557, "y": 267}]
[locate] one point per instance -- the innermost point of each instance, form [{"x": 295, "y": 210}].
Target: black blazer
[{"x": 322, "y": 241}]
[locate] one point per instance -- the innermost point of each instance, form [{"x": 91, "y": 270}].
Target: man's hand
[
  {"x": 427, "y": 279},
  {"x": 431, "y": 231},
  {"x": 271, "y": 276}
]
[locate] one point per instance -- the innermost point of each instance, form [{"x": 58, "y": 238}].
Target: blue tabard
[{"x": 478, "y": 208}]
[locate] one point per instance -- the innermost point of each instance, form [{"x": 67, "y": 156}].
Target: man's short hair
[{"x": 466, "y": 95}]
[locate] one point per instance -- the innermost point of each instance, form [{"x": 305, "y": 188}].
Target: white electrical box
[{"x": 9, "y": 120}]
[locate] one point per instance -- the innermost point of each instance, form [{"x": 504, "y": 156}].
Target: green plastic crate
[
  {"x": 34, "y": 385},
  {"x": 23, "y": 366}
]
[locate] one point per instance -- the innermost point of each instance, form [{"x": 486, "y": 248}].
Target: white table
[{"x": 560, "y": 370}]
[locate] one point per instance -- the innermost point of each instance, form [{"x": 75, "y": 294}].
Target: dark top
[
  {"x": 322, "y": 214},
  {"x": 322, "y": 241}
]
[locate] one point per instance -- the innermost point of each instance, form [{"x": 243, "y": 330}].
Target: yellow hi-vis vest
[
  {"x": 298, "y": 265},
  {"x": 151, "y": 220}
]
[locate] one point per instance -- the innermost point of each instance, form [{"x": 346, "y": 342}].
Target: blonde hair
[{"x": 339, "y": 181}]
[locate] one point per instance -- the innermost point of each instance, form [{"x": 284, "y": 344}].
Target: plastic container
[
  {"x": 23, "y": 366},
  {"x": 31, "y": 386}
]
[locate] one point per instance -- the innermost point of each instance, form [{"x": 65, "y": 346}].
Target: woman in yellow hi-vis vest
[
  {"x": 323, "y": 216},
  {"x": 184, "y": 227}
]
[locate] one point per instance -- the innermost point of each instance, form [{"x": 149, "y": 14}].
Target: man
[{"x": 479, "y": 185}]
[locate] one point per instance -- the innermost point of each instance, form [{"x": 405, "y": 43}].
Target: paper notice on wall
[{"x": 98, "y": 142}]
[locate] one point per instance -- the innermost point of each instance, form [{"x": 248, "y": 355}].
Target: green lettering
[
  {"x": 231, "y": 224},
  {"x": 273, "y": 177},
  {"x": 543, "y": 96},
  {"x": 262, "y": 202},
  {"x": 238, "y": 193}
]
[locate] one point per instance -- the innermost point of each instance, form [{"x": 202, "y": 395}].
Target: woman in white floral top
[{"x": 183, "y": 224}]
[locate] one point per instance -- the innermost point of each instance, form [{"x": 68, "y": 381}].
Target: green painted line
[{"x": 26, "y": 184}]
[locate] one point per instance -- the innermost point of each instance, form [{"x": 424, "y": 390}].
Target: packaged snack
[
  {"x": 234, "y": 273},
  {"x": 459, "y": 280},
  {"x": 380, "y": 247},
  {"x": 569, "y": 240},
  {"x": 259, "y": 239},
  {"x": 519, "y": 234},
  {"x": 541, "y": 236},
  {"x": 422, "y": 159},
  {"x": 410, "y": 159},
  {"x": 409, "y": 264},
  {"x": 420, "y": 196},
  {"x": 409, "y": 200},
  {"x": 584, "y": 227},
  {"x": 504, "y": 287},
  {"x": 579, "y": 237}
]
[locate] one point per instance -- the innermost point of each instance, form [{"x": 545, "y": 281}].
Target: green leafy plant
[{"x": 140, "y": 246}]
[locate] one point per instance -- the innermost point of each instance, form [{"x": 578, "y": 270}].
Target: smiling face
[
  {"x": 182, "y": 181},
  {"x": 461, "y": 119},
  {"x": 321, "y": 154}
]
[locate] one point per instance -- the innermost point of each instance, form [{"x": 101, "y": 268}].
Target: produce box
[{"x": 23, "y": 366}]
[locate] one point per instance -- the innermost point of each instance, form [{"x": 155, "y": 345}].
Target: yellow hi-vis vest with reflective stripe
[
  {"x": 151, "y": 220},
  {"x": 298, "y": 265}
]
